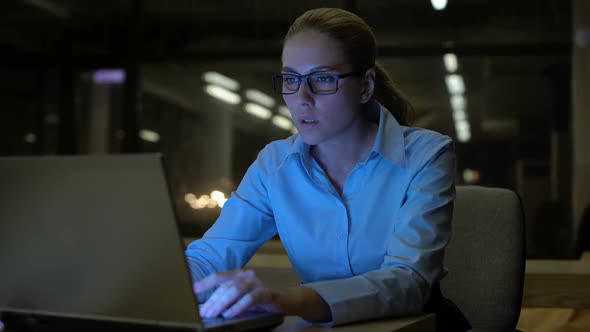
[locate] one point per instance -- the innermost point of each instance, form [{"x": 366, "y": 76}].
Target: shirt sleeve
[
  {"x": 414, "y": 257},
  {"x": 245, "y": 223}
]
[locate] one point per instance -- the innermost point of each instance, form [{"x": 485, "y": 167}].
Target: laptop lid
[{"x": 92, "y": 237}]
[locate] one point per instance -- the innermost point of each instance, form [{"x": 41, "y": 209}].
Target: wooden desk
[
  {"x": 557, "y": 284},
  {"x": 283, "y": 276},
  {"x": 421, "y": 323}
]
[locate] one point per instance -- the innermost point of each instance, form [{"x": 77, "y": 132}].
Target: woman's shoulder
[
  {"x": 416, "y": 135},
  {"x": 424, "y": 144},
  {"x": 275, "y": 152}
]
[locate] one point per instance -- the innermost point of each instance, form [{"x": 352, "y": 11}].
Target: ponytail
[{"x": 391, "y": 97}]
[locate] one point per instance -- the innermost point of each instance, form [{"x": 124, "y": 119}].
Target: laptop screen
[{"x": 92, "y": 236}]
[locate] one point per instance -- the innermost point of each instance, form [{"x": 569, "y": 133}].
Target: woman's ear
[{"x": 368, "y": 86}]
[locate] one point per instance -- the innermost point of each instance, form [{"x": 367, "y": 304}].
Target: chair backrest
[{"x": 486, "y": 257}]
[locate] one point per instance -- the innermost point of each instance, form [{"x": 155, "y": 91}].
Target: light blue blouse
[{"x": 374, "y": 251}]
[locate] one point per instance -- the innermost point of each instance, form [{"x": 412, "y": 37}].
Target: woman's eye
[
  {"x": 324, "y": 79},
  {"x": 290, "y": 79}
]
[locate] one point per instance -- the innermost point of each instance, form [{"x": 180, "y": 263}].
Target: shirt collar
[
  {"x": 297, "y": 147},
  {"x": 389, "y": 142}
]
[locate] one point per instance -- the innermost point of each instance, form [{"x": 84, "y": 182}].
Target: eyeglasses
[{"x": 318, "y": 83}]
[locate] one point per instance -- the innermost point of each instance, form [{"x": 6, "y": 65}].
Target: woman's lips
[{"x": 308, "y": 123}]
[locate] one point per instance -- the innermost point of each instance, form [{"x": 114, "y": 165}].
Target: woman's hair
[{"x": 359, "y": 46}]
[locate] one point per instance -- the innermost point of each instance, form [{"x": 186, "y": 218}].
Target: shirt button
[{"x": 340, "y": 236}]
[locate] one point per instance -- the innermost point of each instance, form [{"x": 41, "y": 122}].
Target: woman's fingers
[
  {"x": 213, "y": 280},
  {"x": 259, "y": 295},
  {"x": 229, "y": 292}
]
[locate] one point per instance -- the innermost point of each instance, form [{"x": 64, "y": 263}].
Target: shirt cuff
[
  {"x": 345, "y": 306},
  {"x": 197, "y": 274}
]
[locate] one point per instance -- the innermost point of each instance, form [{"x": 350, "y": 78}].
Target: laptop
[{"x": 92, "y": 243}]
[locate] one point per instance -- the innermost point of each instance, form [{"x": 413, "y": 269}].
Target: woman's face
[{"x": 321, "y": 118}]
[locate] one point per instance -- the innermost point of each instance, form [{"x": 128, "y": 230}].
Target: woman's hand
[
  {"x": 237, "y": 291},
  {"x": 240, "y": 290}
]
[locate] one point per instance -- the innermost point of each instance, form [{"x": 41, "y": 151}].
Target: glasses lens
[
  {"x": 322, "y": 83},
  {"x": 286, "y": 84}
]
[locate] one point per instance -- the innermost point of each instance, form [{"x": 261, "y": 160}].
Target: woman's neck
[{"x": 343, "y": 152}]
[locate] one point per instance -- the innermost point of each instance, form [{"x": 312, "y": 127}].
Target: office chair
[{"x": 486, "y": 257}]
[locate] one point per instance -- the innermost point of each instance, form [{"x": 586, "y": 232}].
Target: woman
[{"x": 362, "y": 202}]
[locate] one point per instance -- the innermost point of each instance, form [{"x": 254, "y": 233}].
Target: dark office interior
[{"x": 110, "y": 76}]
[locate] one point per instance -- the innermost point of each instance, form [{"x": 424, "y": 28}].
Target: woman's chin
[{"x": 310, "y": 139}]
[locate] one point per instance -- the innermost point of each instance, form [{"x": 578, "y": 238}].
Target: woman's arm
[{"x": 245, "y": 223}]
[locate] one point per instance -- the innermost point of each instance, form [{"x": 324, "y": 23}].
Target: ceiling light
[
  {"x": 260, "y": 98},
  {"x": 258, "y": 111},
  {"x": 439, "y": 4},
  {"x": 458, "y": 102},
  {"x": 223, "y": 94},
  {"x": 451, "y": 62},
  {"x": 213, "y": 77},
  {"x": 455, "y": 84},
  {"x": 282, "y": 122},
  {"x": 459, "y": 115},
  {"x": 463, "y": 136},
  {"x": 149, "y": 135},
  {"x": 462, "y": 125},
  {"x": 463, "y": 130}
]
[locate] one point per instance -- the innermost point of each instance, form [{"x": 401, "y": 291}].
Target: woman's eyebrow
[{"x": 313, "y": 70}]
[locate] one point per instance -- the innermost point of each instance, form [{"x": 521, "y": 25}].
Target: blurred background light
[
  {"x": 282, "y": 122},
  {"x": 284, "y": 111},
  {"x": 451, "y": 62},
  {"x": 223, "y": 94},
  {"x": 471, "y": 176},
  {"x": 260, "y": 98},
  {"x": 108, "y": 76},
  {"x": 455, "y": 84},
  {"x": 459, "y": 115},
  {"x": 258, "y": 111},
  {"x": 439, "y": 4},
  {"x": 215, "y": 199},
  {"x": 213, "y": 77},
  {"x": 458, "y": 102},
  {"x": 189, "y": 198},
  {"x": 30, "y": 138},
  {"x": 149, "y": 135}
]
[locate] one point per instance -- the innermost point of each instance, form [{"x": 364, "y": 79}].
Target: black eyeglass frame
[{"x": 306, "y": 77}]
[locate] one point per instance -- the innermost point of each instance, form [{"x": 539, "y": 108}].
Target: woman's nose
[{"x": 304, "y": 93}]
